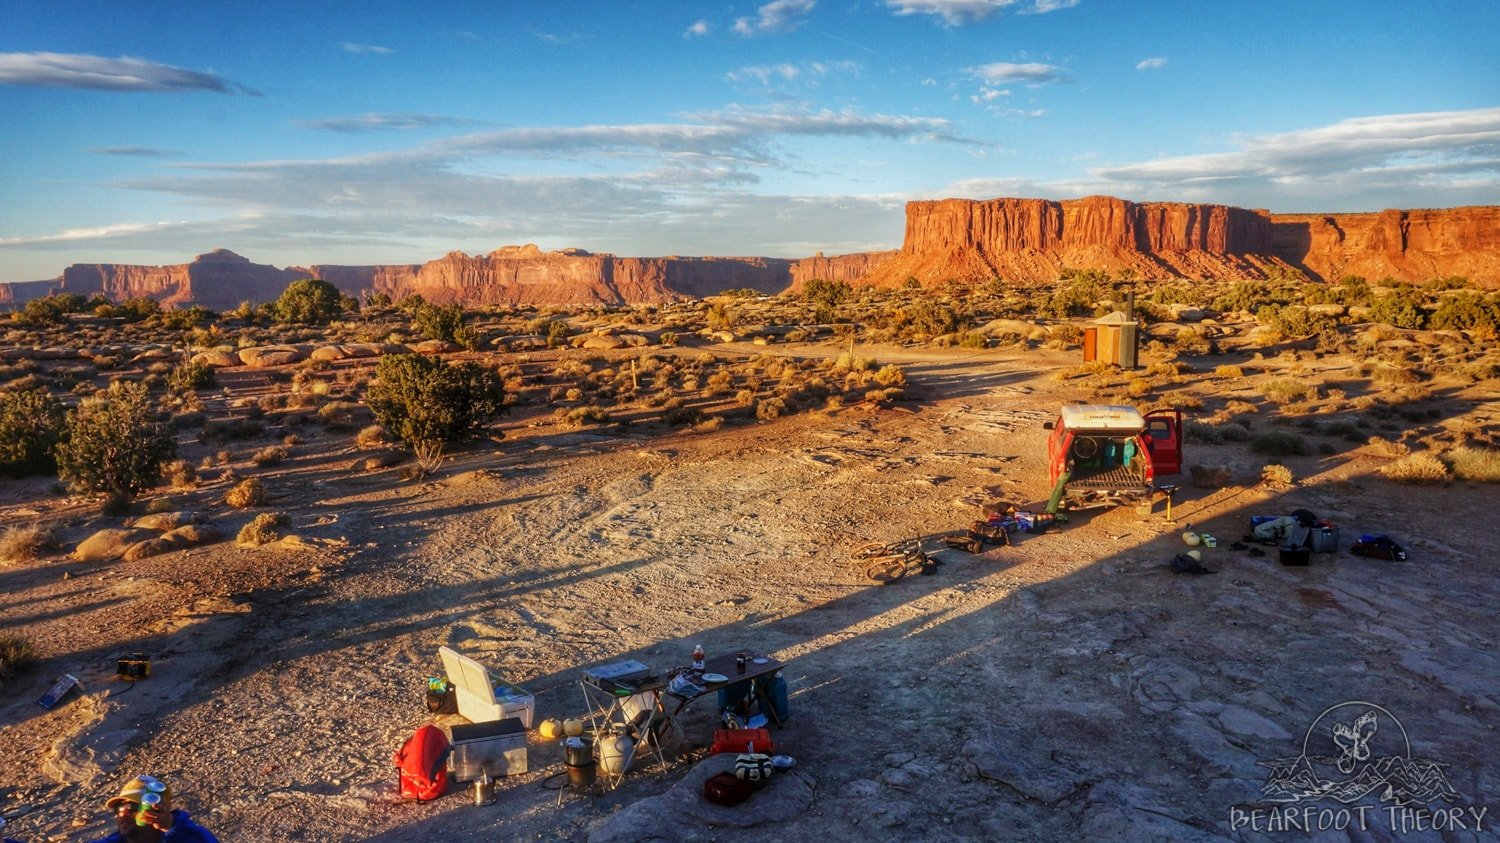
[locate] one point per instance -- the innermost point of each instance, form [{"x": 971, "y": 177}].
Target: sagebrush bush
[
  {"x": 17, "y": 656},
  {"x": 263, "y": 529},
  {"x": 32, "y": 422},
  {"x": 371, "y": 437},
  {"x": 270, "y": 455},
  {"x": 23, "y": 544},
  {"x": 1279, "y": 443},
  {"x": 1475, "y": 464},
  {"x": 1202, "y": 433},
  {"x": 181, "y": 474},
  {"x": 1228, "y": 372},
  {"x": 1276, "y": 474},
  {"x": 1285, "y": 390},
  {"x": 246, "y": 494},
  {"x": 1417, "y": 469},
  {"x": 890, "y": 375},
  {"x": 190, "y": 375}
]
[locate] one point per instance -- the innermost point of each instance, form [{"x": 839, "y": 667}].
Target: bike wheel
[{"x": 886, "y": 570}]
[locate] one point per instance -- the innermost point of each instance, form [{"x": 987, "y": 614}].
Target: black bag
[
  {"x": 443, "y": 702},
  {"x": 989, "y": 533},
  {"x": 1378, "y": 547}
]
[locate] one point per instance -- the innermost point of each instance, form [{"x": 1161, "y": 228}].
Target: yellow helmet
[{"x": 138, "y": 787}]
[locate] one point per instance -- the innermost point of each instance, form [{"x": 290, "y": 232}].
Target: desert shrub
[
  {"x": 973, "y": 339},
  {"x": 226, "y": 429},
  {"x": 23, "y": 544},
  {"x": 270, "y": 455},
  {"x": 17, "y": 656},
  {"x": 1278, "y": 443},
  {"x": 1381, "y": 446},
  {"x": 771, "y": 408},
  {"x": 338, "y": 415},
  {"x": 263, "y": 529},
  {"x": 32, "y": 422},
  {"x": 682, "y": 415},
  {"x": 1348, "y": 430},
  {"x": 1417, "y": 469},
  {"x": 1276, "y": 474},
  {"x": 371, "y": 437},
  {"x": 1285, "y": 390},
  {"x": 1246, "y": 295},
  {"x": 427, "y": 402},
  {"x": 1401, "y": 309},
  {"x": 446, "y": 323},
  {"x": 190, "y": 375},
  {"x": 580, "y": 416},
  {"x": 309, "y": 302},
  {"x": 114, "y": 444},
  {"x": 829, "y": 293},
  {"x": 1468, "y": 312},
  {"x": 1202, "y": 433},
  {"x": 878, "y": 396},
  {"x": 1233, "y": 432},
  {"x": 1475, "y": 464},
  {"x": 890, "y": 375},
  {"x": 181, "y": 474},
  {"x": 247, "y": 493}
]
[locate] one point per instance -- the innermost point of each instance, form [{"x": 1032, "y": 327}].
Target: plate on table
[
  {"x": 783, "y": 762},
  {"x": 760, "y": 660},
  {"x": 715, "y": 677}
]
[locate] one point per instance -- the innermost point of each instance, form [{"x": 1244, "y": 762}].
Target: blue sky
[{"x": 297, "y": 133}]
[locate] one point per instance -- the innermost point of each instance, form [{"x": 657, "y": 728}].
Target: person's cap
[{"x": 138, "y": 787}]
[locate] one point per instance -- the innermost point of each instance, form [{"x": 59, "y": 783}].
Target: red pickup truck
[{"x": 1103, "y": 455}]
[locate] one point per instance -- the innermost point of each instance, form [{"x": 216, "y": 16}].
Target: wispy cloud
[
  {"x": 365, "y": 49},
  {"x": 135, "y": 151},
  {"x": 1151, "y": 64},
  {"x": 960, "y": 12},
  {"x": 75, "y": 70},
  {"x": 1031, "y": 73},
  {"x": 697, "y": 30},
  {"x": 375, "y": 122},
  {"x": 776, "y": 16},
  {"x": 73, "y": 235},
  {"x": 766, "y": 74},
  {"x": 557, "y": 39}
]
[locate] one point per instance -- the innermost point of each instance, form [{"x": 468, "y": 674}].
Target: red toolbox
[
  {"x": 725, "y": 789},
  {"x": 740, "y": 740}
]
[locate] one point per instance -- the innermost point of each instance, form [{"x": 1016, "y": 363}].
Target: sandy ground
[{"x": 1067, "y": 687}]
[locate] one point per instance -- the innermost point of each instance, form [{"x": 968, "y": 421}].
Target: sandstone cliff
[
  {"x": 1034, "y": 239},
  {"x": 218, "y": 280},
  {"x": 851, "y": 268}
]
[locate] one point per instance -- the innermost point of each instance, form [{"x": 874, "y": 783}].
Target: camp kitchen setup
[{"x": 630, "y": 717}]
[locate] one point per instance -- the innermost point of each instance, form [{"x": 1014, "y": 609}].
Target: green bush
[
  {"x": 114, "y": 443},
  {"x": 1285, "y": 390},
  {"x": 827, "y": 293},
  {"x": 31, "y": 424},
  {"x": 309, "y": 302},
  {"x": 1468, "y": 312},
  {"x": 446, "y": 323},
  {"x": 426, "y": 402},
  {"x": 1278, "y": 443},
  {"x": 190, "y": 375},
  {"x": 1401, "y": 309}
]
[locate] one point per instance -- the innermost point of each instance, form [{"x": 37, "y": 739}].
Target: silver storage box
[
  {"x": 496, "y": 746},
  {"x": 1324, "y": 540}
]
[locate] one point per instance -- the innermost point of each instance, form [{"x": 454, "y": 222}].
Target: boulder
[
  {"x": 330, "y": 352},
  {"x": 602, "y": 341},
  {"x": 190, "y": 535},
  {"x": 107, "y": 545},
  {"x": 54, "y": 354},
  {"x": 435, "y": 347},
  {"x": 394, "y": 348},
  {"x": 363, "y": 349},
  {"x": 379, "y": 461},
  {"x": 1328, "y": 309},
  {"x": 217, "y": 359},
  {"x": 153, "y": 355},
  {"x": 161, "y": 522},
  {"x": 1187, "y": 313},
  {"x": 1211, "y": 476},
  {"x": 785, "y": 797},
  {"x": 270, "y": 355},
  {"x": 635, "y": 340},
  {"x": 1001, "y": 327}
]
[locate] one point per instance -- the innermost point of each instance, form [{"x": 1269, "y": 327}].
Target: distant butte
[{"x": 949, "y": 239}]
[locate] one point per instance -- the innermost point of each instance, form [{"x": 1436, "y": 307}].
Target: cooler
[
  {"x": 497, "y": 747},
  {"x": 739, "y": 741},
  {"x": 1324, "y": 540}
]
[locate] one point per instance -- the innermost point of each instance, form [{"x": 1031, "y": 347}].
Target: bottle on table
[{"x": 698, "y": 657}]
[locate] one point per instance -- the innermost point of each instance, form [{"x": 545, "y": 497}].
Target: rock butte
[{"x": 948, "y": 239}]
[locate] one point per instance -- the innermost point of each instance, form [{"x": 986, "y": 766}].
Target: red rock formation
[
  {"x": 218, "y": 280},
  {"x": 851, "y": 268},
  {"x": 1035, "y": 239}
]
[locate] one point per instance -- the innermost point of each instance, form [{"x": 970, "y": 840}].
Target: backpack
[
  {"x": 422, "y": 763},
  {"x": 1379, "y": 547}
]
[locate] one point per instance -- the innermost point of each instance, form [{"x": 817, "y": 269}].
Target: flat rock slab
[
  {"x": 107, "y": 545},
  {"x": 1019, "y": 760},
  {"x": 681, "y": 811}
]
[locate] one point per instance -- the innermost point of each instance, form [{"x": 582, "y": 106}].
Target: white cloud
[
  {"x": 960, "y": 12},
  {"x": 697, "y": 30},
  {"x": 776, "y": 16},
  {"x": 133, "y": 151},
  {"x": 1002, "y": 72},
  {"x": 377, "y": 122},
  {"x": 73, "y": 70},
  {"x": 1151, "y": 64},
  {"x": 768, "y": 74},
  {"x": 371, "y": 49}
]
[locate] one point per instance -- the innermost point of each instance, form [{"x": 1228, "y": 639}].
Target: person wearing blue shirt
[{"x": 144, "y": 814}]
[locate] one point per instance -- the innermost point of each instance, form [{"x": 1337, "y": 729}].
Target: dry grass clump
[
  {"x": 24, "y": 544},
  {"x": 16, "y": 656},
  {"x": 370, "y": 438},
  {"x": 1380, "y": 446},
  {"x": 890, "y": 375},
  {"x": 1276, "y": 474},
  {"x": 263, "y": 529},
  {"x": 1481, "y": 465},
  {"x": 580, "y": 416},
  {"x": 246, "y": 493},
  {"x": 180, "y": 474},
  {"x": 270, "y": 455},
  {"x": 1416, "y": 469},
  {"x": 1228, "y": 372},
  {"x": 1285, "y": 390}
]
